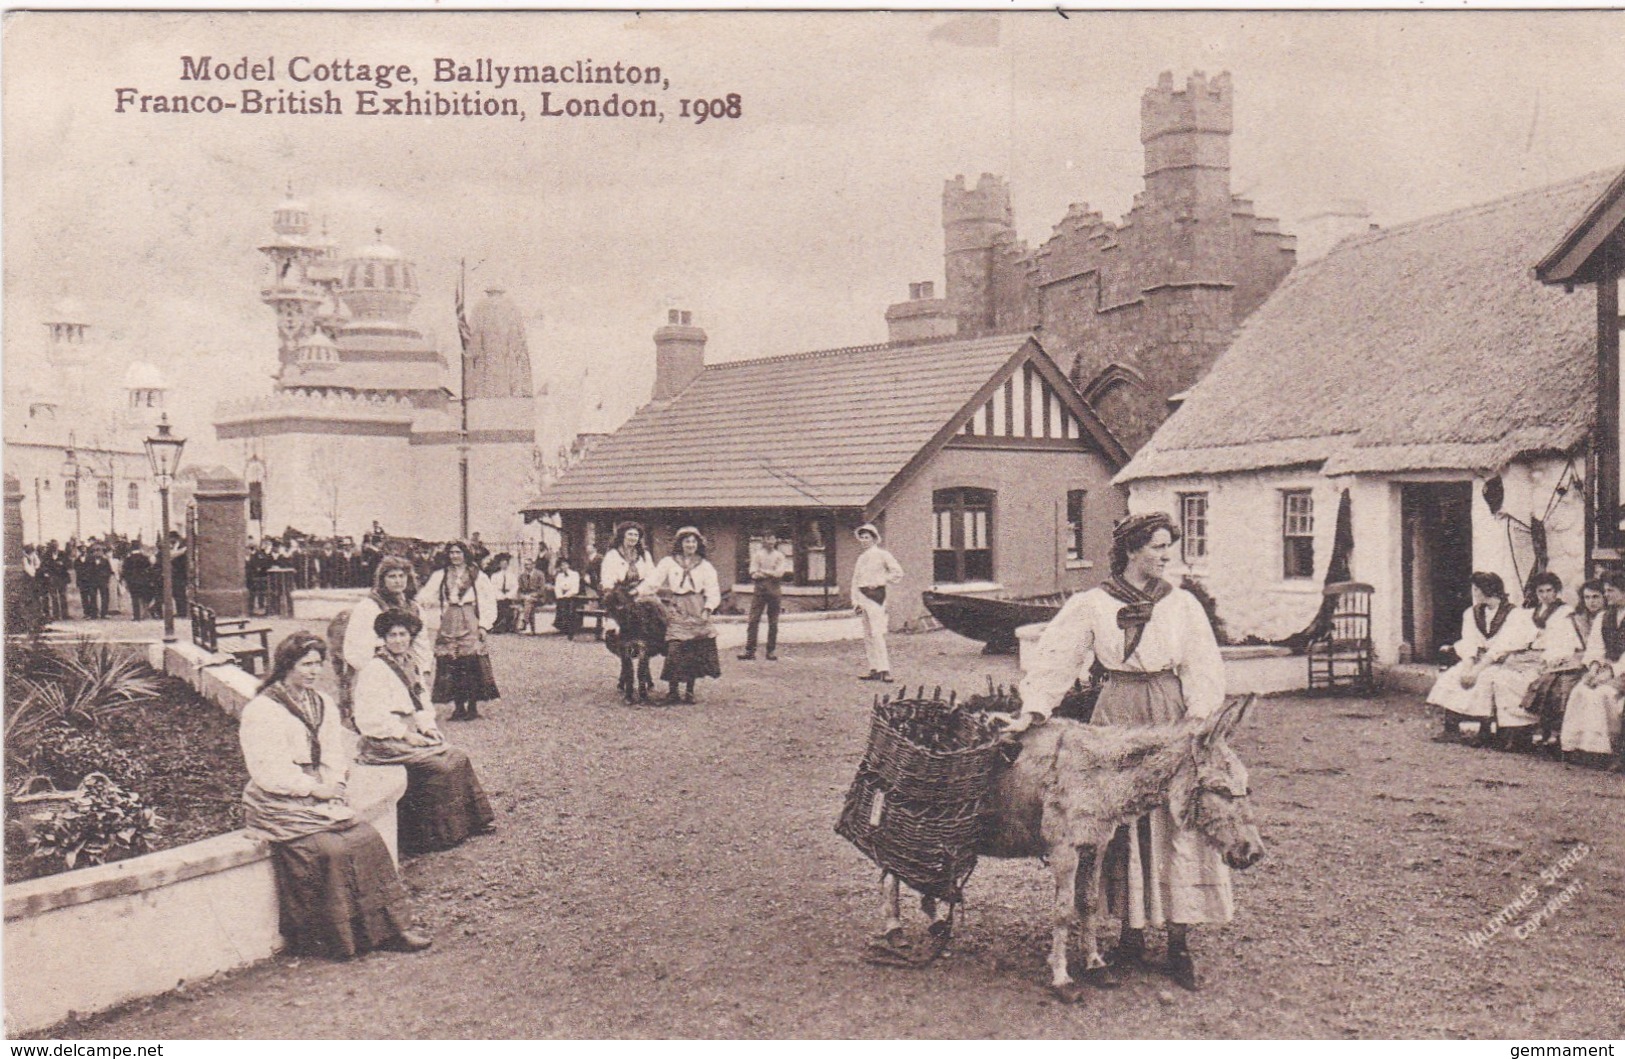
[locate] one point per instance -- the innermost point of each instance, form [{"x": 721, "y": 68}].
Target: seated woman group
[
  {"x": 338, "y": 891},
  {"x": 1540, "y": 675}
]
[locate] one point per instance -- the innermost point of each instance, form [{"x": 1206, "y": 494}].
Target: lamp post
[{"x": 164, "y": 453}]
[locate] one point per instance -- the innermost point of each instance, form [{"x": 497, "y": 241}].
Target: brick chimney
[
  {"x": 679, "y": 354},
  {"x": 923, "y": 316}
]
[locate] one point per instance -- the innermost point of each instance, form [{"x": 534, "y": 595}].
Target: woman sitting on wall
[
  {"x": 1482, "y": 622},
  {"x": 337, "y": 889},
  {"x": 444, "y": 802},
  {"x": 1591, "y": 721},
  {"x": 1563, "y": 665},
  {"x": 394, "y": 587},
  {"x": 1533, "y": 638}
]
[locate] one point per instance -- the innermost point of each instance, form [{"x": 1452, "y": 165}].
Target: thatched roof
[{"x": 1425, "y": 346}]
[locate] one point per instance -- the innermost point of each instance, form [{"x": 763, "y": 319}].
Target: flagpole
[{"x": 462, "y": 436}]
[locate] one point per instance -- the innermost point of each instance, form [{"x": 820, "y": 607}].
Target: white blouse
[
  {"x": 276, "y": 743},
  {"x": 670, "y": 576},
  {"x": 1178, "y": 637},
  {"x": 612, "y": 571},
  {"x": 383, "y": 707},
  {"x": 480, "y": 594}
]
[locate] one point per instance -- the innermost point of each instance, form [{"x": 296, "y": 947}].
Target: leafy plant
[
  {"x": 103, "y": 823},
  {"x": 78, "y": 683},
  {"x": 66, "y": 755},
  {"x": 1209, "y": 604}
]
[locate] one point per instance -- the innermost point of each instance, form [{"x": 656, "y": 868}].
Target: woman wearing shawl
[
  {"x": 1591, "y": 722},
  {"x": 1516, "y": 657},
  {"x": 444, "y": 802},
  {"x": 1163, "y": 664},
  {"x": 459, "y": 605},
  {"x": 629, "y": 561},
  {"x": 394, "y": 587},
  {"x": 688, "y": 587},
  {"x": 1562, "y": 640},
  {"x": 337, "y": 890},
  {"x": 1480, "y": 623}
]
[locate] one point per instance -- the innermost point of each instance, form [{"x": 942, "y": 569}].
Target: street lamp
[{"x": 164, "y": 453}]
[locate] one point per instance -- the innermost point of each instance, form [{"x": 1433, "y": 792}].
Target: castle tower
[
  {"x": 69, "y": 351},
  {"x": 1186, "y": 134},
  {"x": 979, "y": 239},
  {"x": 289, "y": 292}
]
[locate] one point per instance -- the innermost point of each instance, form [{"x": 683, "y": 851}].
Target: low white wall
[
  {"x": 85, "y": 940},
  {"x": 325, "y": 603},
  {"x": 1247, "y": 670},
  {"x": 822, "y": 627}
]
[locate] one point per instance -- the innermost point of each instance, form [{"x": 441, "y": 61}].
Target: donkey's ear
[{"x": 1227, "y": 719}]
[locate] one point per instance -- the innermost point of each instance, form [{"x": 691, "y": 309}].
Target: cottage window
[
  {"x": 104, "y": 495},
  {"x": 135, "y": 496},
  {"x": 1298, "y": 533},
  {"x": 962, "y": 542},
  {"x": 1074, "y": 523},
  {"x": 815, "y": 563},
  {"x": 1193, "y": 526},
  {"x": 70, "y": 494}
]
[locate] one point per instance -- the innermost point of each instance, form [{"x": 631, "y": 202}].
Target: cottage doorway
[{"x": 1437, "y": 559}]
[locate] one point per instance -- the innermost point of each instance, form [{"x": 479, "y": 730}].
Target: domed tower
[
  {"x": 289, "y": 291},
  {"x": 70, "y": 350},
  {"x": 379, "y": 284},
  {"x": 501, "y": 417}
]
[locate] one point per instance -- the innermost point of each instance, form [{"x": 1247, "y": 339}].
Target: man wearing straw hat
[{"x": 874, "y": 572}]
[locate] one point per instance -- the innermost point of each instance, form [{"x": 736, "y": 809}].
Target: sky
[{"x": 788, "y": 228}]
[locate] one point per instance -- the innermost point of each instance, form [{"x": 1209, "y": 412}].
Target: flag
[{"x": 465, "y": 334}]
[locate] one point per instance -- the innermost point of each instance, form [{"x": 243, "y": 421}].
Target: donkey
[
  {"x": 642, "y": 636},
  {"x": 1073, "y": 785}
]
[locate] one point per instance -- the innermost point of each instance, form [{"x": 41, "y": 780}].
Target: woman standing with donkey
[{"x": 1163, "y": 665}]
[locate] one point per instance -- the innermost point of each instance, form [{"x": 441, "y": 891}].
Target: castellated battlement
[
  {"x": 318, "y": 405},
  {"x": 1201, "y": 106},
  {"x": 987, "y": 203}
]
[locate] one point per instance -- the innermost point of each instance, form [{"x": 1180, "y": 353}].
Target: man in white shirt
[
  {"x": 768, "y": 568},
  {"x": 874, "y": 572},
  {"x": 506, "y": 583}
]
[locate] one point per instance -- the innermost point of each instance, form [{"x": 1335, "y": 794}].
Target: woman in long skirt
[
  {"x": 460, "y": 605},
  {"x": 337, "y": 890},
  {"x": 1453, "y": 692},
  {"x": 444, "y": 802},
  {"x": 1592, "y": 719},
  {"x": 1163, "y": 664},
  {"x": 1564, "y": 663},
  {"x": 687, "y": 584}
]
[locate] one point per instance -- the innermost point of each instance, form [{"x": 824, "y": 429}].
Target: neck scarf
[
  {"x": 307, "y": 708},
  {"x": 453, "y": 585},
  {"x": 1137, "y": 605},
  {"x": 1544, "y": 614},
  {"x": 381, "y": 598},
  {"x": 409, "y": 676},
  {"x": 688, "y": 567},
  {"x": 1489, "y": 631},
  {"x": 1583, "y": 620}
]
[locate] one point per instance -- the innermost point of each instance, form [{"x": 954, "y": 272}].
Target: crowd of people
[
  {"x": 1547, "y": 676},
  {"x": 106, "y": 576}
]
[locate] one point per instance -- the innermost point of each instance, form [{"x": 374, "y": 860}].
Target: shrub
[
  {"x": 66, "y": 755},
  {"x": 79, "y": 683},
  {"x": 104, "y": 823}
]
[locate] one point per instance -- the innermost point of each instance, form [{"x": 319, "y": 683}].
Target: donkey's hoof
[
  {"x": 888, "y": 950},
  {"x": 1069, "y": 993},
  {"x": 1104, "y": 977}
]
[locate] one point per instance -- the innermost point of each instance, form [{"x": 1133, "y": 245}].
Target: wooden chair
[
  {"x": 208, "y": 630},
  {"x": 1342, "y": 656},
  {"x": 592, "y": 612}
]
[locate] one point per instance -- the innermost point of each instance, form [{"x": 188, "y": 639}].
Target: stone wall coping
[
  {"x": 370, "y": 785},
  {"x": 793, "y": 617},
  {"x": 351, "y": 594}
]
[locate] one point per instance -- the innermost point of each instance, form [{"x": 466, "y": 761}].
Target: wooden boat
[{"x": 992, "y": 621}]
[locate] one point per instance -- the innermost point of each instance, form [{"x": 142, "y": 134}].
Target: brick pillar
[
  {"x": 22, "y": 613},
  {"x": 218, "y": 557}
]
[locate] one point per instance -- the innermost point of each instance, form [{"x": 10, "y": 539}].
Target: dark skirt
[
  {"x": 691, "y": 659},
  {"x": 444, "y": 803},
  {"x": 338, "y": 894},
  {"x": 1548, "y": 696},
  {"x": 466, "y": 679}
]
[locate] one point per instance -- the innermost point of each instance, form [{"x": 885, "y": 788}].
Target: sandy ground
[{"x": 674, "y": 872}]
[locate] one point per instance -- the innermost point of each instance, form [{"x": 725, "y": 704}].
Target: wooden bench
[
  {"x": 208, "y": 630},
  {"x": 594, "y": 613}
]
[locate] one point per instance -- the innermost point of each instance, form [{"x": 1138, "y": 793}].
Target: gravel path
[{"x": 673, "y": 872}]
